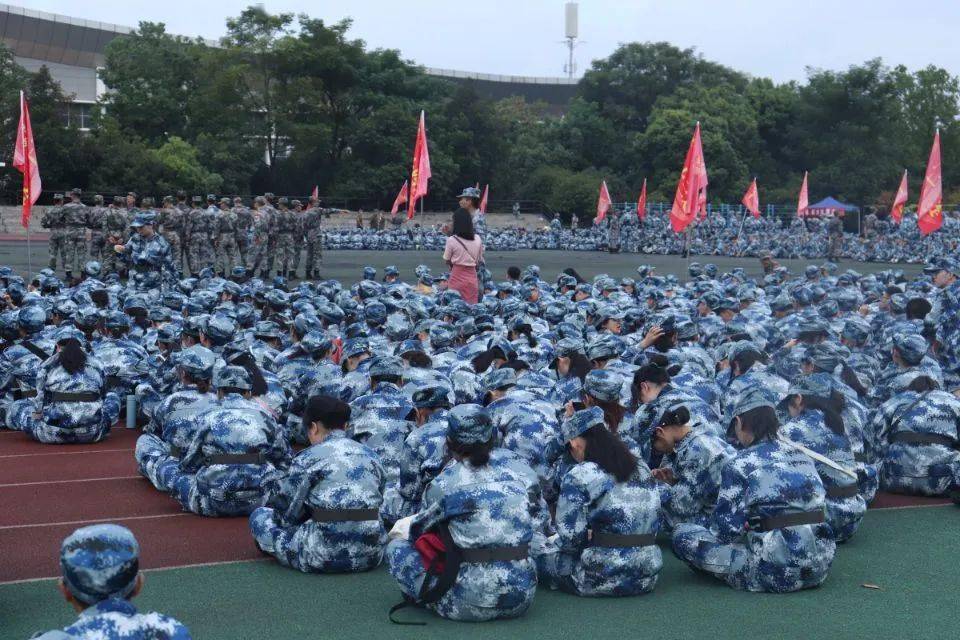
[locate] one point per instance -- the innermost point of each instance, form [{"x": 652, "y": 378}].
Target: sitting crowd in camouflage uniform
[{"x": 550, "y": 434}]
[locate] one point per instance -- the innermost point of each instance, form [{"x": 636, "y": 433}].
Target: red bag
[{"x": 432, "y": 552}]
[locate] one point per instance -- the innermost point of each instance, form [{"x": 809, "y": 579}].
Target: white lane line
[
  {"x": 912, "y": 506},
  {"x": 62, "y": 453},
  {"x": 33, "y": 484},
  {"x": 75, "y": 523},
  {"x": 155, "y": 569}
]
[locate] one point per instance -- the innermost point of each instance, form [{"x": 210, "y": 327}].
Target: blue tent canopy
[{"x": 833, "y": 204}]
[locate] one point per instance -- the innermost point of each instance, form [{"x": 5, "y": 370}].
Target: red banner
[
  {"x": 803, "y": 202},
  {"x": 642, "y": 202},
  {"x": 401, "y": 197},
  {"x": 420, "y": 174},
  {"x": 896, "y": 212},
  {"x": 930, "y": 208},
  {"x": 691, "y": 194},
  {"x": 25, "y": 160},
  {"x": 751, "y": 199},
  {"x": 483, "y": 199},
  {"x": 603, "y": 203}
]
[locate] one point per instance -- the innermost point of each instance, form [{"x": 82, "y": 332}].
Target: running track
[{"x": 47, "y": 491}]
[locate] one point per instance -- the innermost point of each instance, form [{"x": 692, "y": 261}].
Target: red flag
[
  {"x": 315, "y": 195},
  {"x": 421, "y": 167},
  {"x": 691, "y": 194},
  {"x": 751, "y": 199},
  {"x": 642, "y": 202},
  {"x": 929, "y": 208},
  {"x": 804, "y": 202},
  {"x": 25, "y": 159},
  {"x": 483, "y": 198},
  {"x": 899, "y": 200},
  {"x": 401, "y": 197},
  {"x": 603, "y": 202}
]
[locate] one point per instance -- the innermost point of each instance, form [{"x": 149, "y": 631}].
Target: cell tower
[{"x": 571, "y": 29}]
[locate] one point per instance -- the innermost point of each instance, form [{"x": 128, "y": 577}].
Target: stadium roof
[{"x": 73, "y": 48}]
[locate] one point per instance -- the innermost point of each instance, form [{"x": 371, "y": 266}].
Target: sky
[{"x": 768, "y": 38}]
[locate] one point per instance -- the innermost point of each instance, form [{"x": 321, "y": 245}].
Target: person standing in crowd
[
  {"x": 95, "y": 215},
  {"x": 116, "y": 230},
  {"x": 53, "y": 220},
  {"x": 75, "y": 241},
  {"x": 226, "y": 239},
  {"x": 244, "y": 229},
  {"x": 463, "y": 253},
  {"x": 313, "y": 234},
  {"x": 171, "y": 222}
]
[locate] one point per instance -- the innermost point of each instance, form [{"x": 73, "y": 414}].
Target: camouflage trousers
[
  {"x": 111, "y": 263},
  {"x": 226, "y": 254},
  {"x": 96, "y": 246},
  {"x": 200, "y": 253},
  {"x": 243, "y": 249},
  {"x": 314, "y": 255},
  {"x": 287, "y": 252},
  {"x": 21, "y": 417},
  {"x": 75, "y": 246},
  {"x": 55, "y": 246},
  {"x": 259, "y": 254},
  {"x": 176, "y": 249}
]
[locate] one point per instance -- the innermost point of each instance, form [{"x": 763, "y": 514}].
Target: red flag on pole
[
  {"x": 642, "y": 202},
  {"x": 421, "y": 167},
  {"x": 751, "y": 199},
  {"x": 483, "y": 199},
  {"x": 315, "y": 194},
  {"x": 603, "y": 203},
  {"x": 401, "y": 197},
  {"x": 25, "y": 160},
  {"x": 691, "y": 194},
  {"x": 929, "y": 208},
  {"x": 896, "y": 212},
  {"x": 804, "y": 202}
]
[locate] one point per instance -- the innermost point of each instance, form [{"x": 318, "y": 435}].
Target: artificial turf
[{"x": 910, "y": 554}]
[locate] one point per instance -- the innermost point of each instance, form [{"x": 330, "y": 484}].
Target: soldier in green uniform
[
  {"x": 298, "y": 237},
  {"x": 285, "y": 230},
  {"x": 262, "y": 228},
  {"x": 313, "y": 234},
  {"x": 75, "y": 242},
  {"x": 170, "y": 221},
  {"x": 244, "y": 229},
  {"x": 271, "y": 214},
  {"x": 95, "y": 246},
  {"x": 226, "y": 239},
  {"x": 53, "y": 220},
  {"x": 115, "y": 228}
]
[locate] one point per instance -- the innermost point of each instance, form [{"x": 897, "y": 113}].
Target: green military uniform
[
  {"x": 285, "y": 230},
  {"x": 262, "y": 229},
  {"x": 244, "y": 228},
  {"x": 75, "y": 241},
  {"x": 53, "y": 220},
  {"x": 171, "y": 222},
  {"x": 313, "y": 234},
  {"x": 115, "y": 228},
  {"x": 201, "y": 233},
  {"x": 95, "y": 215},
  {"x": 226, "y": 238}
]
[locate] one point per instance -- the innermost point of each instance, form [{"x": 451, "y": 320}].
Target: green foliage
[{"x": 287, "y": 102}]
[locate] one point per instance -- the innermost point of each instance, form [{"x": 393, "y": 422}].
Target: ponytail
[
  {"x": 850, "y": 378},
  {"x": 476, "y": 453},
  {"x": 831, "y": 408},
  {"x": 606, "y": 450},
  {"x": 72, "y": 357}
]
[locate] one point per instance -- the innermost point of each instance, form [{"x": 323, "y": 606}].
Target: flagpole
[{"x": 29, "y": 250}]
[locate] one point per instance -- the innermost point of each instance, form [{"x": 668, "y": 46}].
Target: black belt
[
  {"x": 848, "y": 491},
  {"x": 81, "y": 396},
  {"x": 344, "y": 515},
  {"x": 785, "y": 520},
  {"x": 176, "y": 451},
  {"x": 861, "y": 457},
  {"x": 234, "y": 458},
  {"x": 20, "y": 394},
  {"x": 484, "y": 555},
  {"x": 113, "y": 381},
  {"x": 622, "y": 541},
  {"x": 909, "y": 437}
]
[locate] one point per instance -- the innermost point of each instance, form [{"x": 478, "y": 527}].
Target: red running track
[{"x": 47, "y": 491}]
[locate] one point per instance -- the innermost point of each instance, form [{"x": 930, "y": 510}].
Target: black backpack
[{"x": 433, "y": 589}]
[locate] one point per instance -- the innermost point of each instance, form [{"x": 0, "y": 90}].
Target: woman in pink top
[{"x": 463, "y": 252}]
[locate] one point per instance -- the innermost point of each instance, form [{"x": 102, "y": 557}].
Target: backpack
[{"x": 441, "y": 558}]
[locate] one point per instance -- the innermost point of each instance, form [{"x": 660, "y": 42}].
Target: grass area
[{"x": 909, "y": 553}]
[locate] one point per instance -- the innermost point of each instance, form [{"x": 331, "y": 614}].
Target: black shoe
[
  {"x": 292, "y": 274},
  {"x": 69, "y": 275}
]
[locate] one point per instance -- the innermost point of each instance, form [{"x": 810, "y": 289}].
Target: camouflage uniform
[
  {"x": 96, "y": 247},
  {"x": 227, "y": 226},
  {"x": 287, "y": 235},
  {"x": 68, "y": 408},
  {"x": 502, "y": 519},
  {"x": 313, "y": 233},
  {"x": 606, "y": 543},
  {"x": 379, "y": 421},
  {"x": 100, "y": 565},
  {"x": 53, "y": 219},
  {"x": 148, "y": 259},
  {"x": 696, "y": 463},
  {"x": 244, "y": 228},
  {"x": 171, "y": 227},
  {"x": 201, "y": 233},
  {"x": 75, "y": 240},
  {"x": 260, "y": 259},
  {"x": 116, "y": 230},
  {"x": 300, "y": 525}
]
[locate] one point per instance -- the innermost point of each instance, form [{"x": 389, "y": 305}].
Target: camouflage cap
[
  {"x": 316, "y": 343},
  {"x": 603, "y": 385},
  {"x": 469, "y": 192},
  {"x": 99, "y": 562},
  {"x": 822, "y": 356},
  {"x": 197, "y": 361},
  {"x": 604, "y": 346},
  {"x": 232, "y": 377},
  {"x": 219, "y": 329},
  {"x": 911, "y": 347},
  {"x": 391, "y": 270},
  {"x": 857, "y": 330},
  {"x": 144, "y": 218},
  {"x": 117, "y": 320},
  {"x": 815, "y": 384},
  {"x": 386, "y": 366},
  {"x": 354, "y": 347},
  {"x": 369, "y": 273},
  {"x": 433, "y": 396},
  {"x": 469, "y": 424},
  {"x": 752, "y": 398},
  {"x": 499, "y": 379},
  {"x": 580, "y": 422}
]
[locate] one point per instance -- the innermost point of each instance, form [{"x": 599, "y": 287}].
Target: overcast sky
[{"x": 773, "y": 38}]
